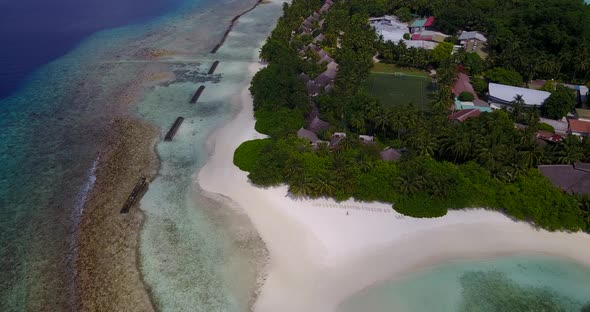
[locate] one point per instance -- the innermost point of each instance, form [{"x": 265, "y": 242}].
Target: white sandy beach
[{"x": 320, "y": 255}]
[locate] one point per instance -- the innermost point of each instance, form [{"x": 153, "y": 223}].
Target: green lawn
[
  {"x": 392, "y": 69},
  {"x": 394, "y": 89}
]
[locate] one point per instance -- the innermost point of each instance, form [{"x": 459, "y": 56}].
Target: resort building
[
  {"x": 391, "y": 154},
  {"x": 548, "y": 136},
  {"x": 429, "y": 35},
  {"x": 561, "y": 126},
  {"x": 366, "y": 139},
  {"x": 502, "y": 95},
  {"x": 579, "y": 127},
  {"x": 389, "y": 27},
  {"x": 570, "y": 178},
  {"x": 463, "y": 84},
  {"x": 326, "y": 7},
  {"x": 308, "y": 135},
  {"x": 336, "y": 138},
  {"x": 421, "y": 24},
  {"x": 581, "y": 92},
  {"x": 474, "y": 41},
  {"x": 421, "y": 44},
  {"x": 464, "y": 114}
]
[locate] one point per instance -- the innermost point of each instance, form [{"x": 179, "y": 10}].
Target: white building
[{"x": 502, "y": 95}]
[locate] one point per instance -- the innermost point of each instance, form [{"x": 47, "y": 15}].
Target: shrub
[
  {"x": 504, "y": 76},
  {"x": 479, "y": 85},
  {"x": 466, "y": 97},
  {"x": 407, "y": 36},
  {"x": 278, "y": 122},
  {"x": 421, "y": 205},
  {"x": 246, "y": 155},
  {"x": 546, "y": 127}
]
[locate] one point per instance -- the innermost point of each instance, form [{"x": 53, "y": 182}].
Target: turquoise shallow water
[
  {"x": 50, "y": 137},
  {"x": 520, "y": 283},
  {"x": 189, "y": 258}
]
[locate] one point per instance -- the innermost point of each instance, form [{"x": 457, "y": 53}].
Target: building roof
[
  {"x": 304, "y": 77},
  {"x": 423, "y": 22},
  {"x": 464, "y": 114},
  {"x": 548, "y": 136},
  {"x": 462, "y": 84},
  {"x": 428, "y": 35},
  {"x": 331, "y": 73},
  {"x": 319, "y": 38},
  {"x": 579, "y": 126},
  {"x": 569, "y": 178},
  {"x": 560, "y": 126},
  {"x": 421, "y": 44},
  {"x": 468, "y": 35},
  {"x": 336, "y": 138},
  {"x": 316, "y": 124},
  {"x": 326, "y": 59},
  {"x": 322, "y": 80},
  {"x": 366, "y": 138},
  {"x": 504, "y": 94},
  {"x": 325, "y": 8},
  {"x": 306, "y": 134},
  {"x": 390, "y": 154},
  {"x": 333, "y": 65},
  {"x": 583, "y": 113},
  {"x": 312, "y": 88}
]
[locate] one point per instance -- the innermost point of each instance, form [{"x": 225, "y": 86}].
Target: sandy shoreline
[{"x": 319, "y": 255}]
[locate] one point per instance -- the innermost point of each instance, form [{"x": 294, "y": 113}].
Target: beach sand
[{"x": 320, "y": 255}]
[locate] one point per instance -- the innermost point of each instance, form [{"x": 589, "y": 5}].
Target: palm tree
[
  {"x": 294, "y": 168},
  {"x": 323, "y": 185},
  {"x": 381, "y": 120},
  {"x": 458, "y": 145},
  {"x": 409, "y": 183},
  {"x": 364, "y": 163},
  {"x": 358, "y": 122},
  {"x": 571, "y": 151},
  {"x": 424, "y": 143},
  {"x": 299, "y": 187}
]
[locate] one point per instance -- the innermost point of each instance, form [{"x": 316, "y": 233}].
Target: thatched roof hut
[
  {"x": 306, "y": 134},
  {"x": 336, "y": 138},
  {"x": 391, "y": 154}
]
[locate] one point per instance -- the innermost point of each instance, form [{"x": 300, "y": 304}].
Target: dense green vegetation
[
  {"x": 539, "y": 39},
  {"x": 483, "y": 162}
]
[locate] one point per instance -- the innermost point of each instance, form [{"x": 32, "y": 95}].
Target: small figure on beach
[{"x": 347, "y": 213}]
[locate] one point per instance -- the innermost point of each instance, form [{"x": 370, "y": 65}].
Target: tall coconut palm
[{"x": 409, "y": 183}]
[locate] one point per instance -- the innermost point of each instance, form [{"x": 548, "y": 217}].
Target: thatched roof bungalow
[
  {"x": 308, "y": 135},
  {"x": 319, "y": 38},
  {"x": 326, "y": 59},
  {"x": 312, "y": 88},
  {"x": 322, "y": 80},
  {"x": 336, "y": 138},
  {"x": 366, "y": 139},
  {"x": 390, "y": 154}
]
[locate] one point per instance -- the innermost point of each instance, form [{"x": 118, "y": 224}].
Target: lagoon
[{"x": 518, "y": 283}]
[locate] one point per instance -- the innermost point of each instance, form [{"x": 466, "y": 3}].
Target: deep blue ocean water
[
  {"x": 35, "y": 32},
  {"x": 50, "y": 125}
]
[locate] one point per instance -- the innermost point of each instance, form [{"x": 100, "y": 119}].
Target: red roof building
[
  {"x": 579, "y": 127},
  {"x": 548, "y": 136},
  {"x": 462, "y": 84},
  {"x": 464, "y": 114}
]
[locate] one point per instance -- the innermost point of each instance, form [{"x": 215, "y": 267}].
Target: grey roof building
[
  {"x": 306, "y": 134},
  {"x": 391, "y": 154},
  {"x": 570, "y": 178}
]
